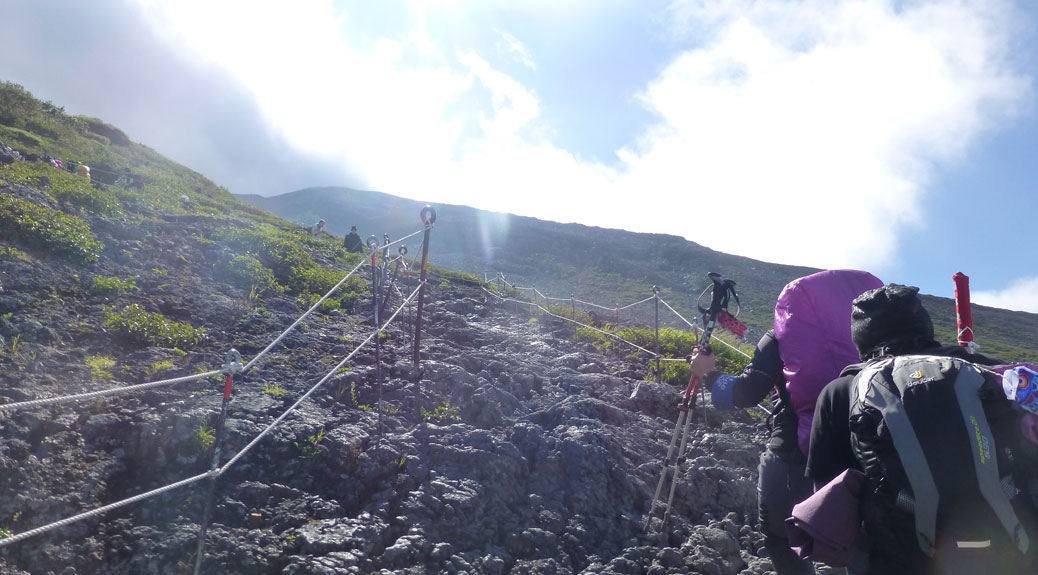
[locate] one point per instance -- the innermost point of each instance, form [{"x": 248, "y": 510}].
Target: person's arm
[
  {"x": 762, "y": 374},
  {"x": 830, "y": 448}
]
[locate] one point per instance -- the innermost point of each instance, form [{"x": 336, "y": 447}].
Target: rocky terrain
[{"x": 512, "y": 449}]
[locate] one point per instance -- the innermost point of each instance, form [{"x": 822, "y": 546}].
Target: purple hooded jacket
[{"x": 813, "y": 327}]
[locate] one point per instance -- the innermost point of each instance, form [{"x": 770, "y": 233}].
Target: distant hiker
[
  {"x": 352, "y": 241},
  {"x": 809, "y": 345},
  {"x": 937, "y": 440},
  {"x": 316, "y": 229},
  {"x": 124, "y": 180},
  {"x": 83, "y": 170}
]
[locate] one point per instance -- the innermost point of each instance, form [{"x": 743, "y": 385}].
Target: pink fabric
[{"x": 813, "y": 328}]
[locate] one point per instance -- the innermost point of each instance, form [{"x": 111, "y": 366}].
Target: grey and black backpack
[{"x": 935, "y": 437}]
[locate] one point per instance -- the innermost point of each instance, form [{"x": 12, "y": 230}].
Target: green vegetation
[
  {"x": 63, "y": 186},
  {"x": 160, "y": 366},
  {"x": 247, "y": 272},
  {"x": 47, "y": 229},
  {"x": 127, "y": 176},
  {"x": 205, "y": 435},
  {"x": 13, "y": 254},
  {"x": 674, "y": 343},
  {"x": 310, "y": 448},
  {"x": 140, "y": 326},
  {"x": 99, "y": 366},
  {"x": 5, "y": 533},
  {"x": 443, "y": 414},
  {"x": 273, "y": 389},
  {"x": 112, "y": 285},
  {"x": 278, "y": 261},
  {"x": 353, "y": 397}
]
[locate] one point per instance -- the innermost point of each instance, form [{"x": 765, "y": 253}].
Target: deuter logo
[{"x": 916, "y": 378}]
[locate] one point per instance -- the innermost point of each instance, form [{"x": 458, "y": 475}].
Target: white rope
[
  {"x": 101, "y": 393},
  {"x": 612, "y": 335},
  {"x": 596, "y": 305},
  {"x": 101, "y": 510},
  {"x": 316, "y": 386},
  {"x": 302, "y": 317},
  {"x": 635, "y": 303}
]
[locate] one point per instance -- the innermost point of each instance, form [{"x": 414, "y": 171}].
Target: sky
[{"x": 899, "y": 137}]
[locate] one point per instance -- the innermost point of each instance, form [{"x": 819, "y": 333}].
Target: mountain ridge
[{"x": 609, "y": 266}]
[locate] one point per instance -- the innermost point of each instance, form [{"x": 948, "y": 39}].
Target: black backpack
[{"x": 935, "y": 437}]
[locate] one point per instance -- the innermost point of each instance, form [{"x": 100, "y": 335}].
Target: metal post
[
  {"x": 233, "y": 366},
  {"x": 428, "y": 215},
  {"x": 619, "y": 351},
  {"x": 572, "y": 309},
  {"x": 410, "y": 314},
  {"x": 656, "y": 295},
  {"x": 376, "y": 285}
]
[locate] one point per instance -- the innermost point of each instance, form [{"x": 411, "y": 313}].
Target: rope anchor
[{"x": 232, "y": 362}]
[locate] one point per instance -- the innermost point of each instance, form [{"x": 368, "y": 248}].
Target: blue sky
[{"x": 894, "y": 136}]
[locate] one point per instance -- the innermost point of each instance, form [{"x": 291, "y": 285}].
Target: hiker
[
  {"x": 809, "y": 345},
  {"x": 83, "y": 170},
  {"x": 940, "y": 506},
  {"x": 352, "y": 241},
  {"x": 316, "y": 229}
]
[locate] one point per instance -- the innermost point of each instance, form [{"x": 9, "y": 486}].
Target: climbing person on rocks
[
  {"x": 808, "y": 346},
  {"x": 968, "y": 516},
  {"x": 352, "y": 241},
  {"x": 316, "y": 229}
]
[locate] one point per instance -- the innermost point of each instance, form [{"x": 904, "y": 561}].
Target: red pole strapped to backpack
[{"x": 963, "y": 313}]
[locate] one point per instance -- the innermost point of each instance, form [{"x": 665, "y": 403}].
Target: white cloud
[
  {"x": 1020, "y": 295},
  {"x": 514, "y": 49},
  {"x": 815, "y": 124},
  {"x": 820, "y": 123}
]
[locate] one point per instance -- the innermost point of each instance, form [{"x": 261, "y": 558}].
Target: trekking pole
[
  {"x": 686, "y": 408},
  {"x": 963, "y": 312}
]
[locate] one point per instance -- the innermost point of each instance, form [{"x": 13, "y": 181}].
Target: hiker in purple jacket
[{"x": 809, "y": 345}]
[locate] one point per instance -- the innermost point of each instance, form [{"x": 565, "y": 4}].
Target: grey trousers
[{"x": 781, "y": 485}]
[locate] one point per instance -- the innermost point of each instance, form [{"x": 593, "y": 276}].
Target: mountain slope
[
  {"x": 608, "y": 266},
  {"x": 513, "y": 449}
]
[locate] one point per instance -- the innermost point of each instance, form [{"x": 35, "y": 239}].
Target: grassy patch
[
  {"x": 674, "y": 343},
  {"x": 64, "y": 186},
  {"x": 99, "y": 366},
  {"x": 247, "y": 272},
  {"x": 13, "y": 254},
  {"x": 135, "y": 324},
  {"x": 273, "y": 389},
  {"x": 443, "y": 414},
  {"x": 112, "y": 285},
  {"x": 47, "y": 229}
]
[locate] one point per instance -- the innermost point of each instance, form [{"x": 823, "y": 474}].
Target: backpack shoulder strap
[
  {"x": 873, "y": 390},
  {"x": 967, "y": 387}
]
